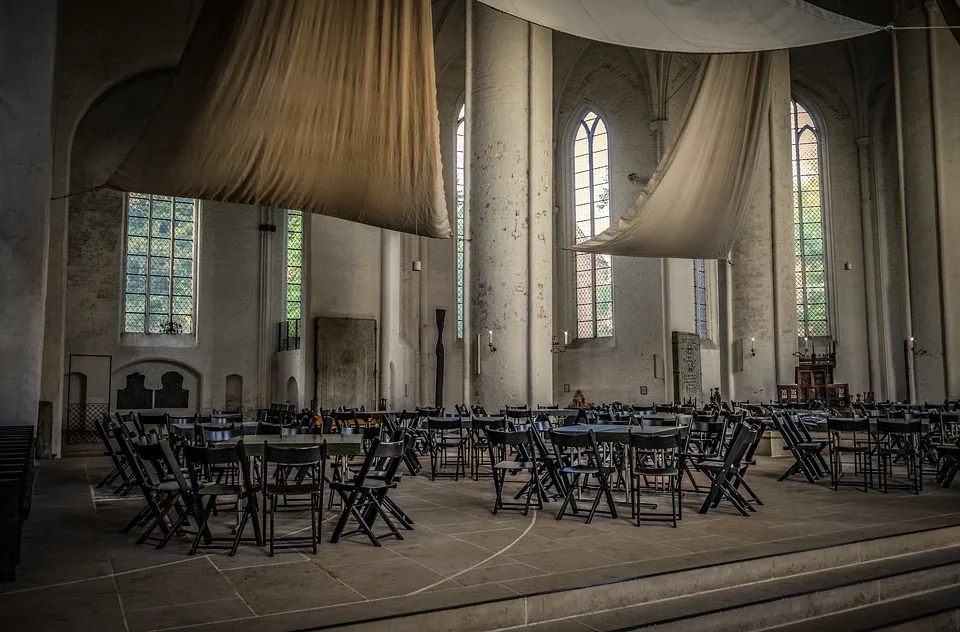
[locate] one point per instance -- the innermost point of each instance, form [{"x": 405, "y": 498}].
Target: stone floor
[{"x": 78, "y": 573}]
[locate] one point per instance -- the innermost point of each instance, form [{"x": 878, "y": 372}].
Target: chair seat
[
  {"x": 217, "y": 489},
  {"x": 851, "y": 448},
  {"x": 513, "y": 465},
  {"x": 710, "y": 464},
  {"x": 656, "y": 471},
  {"x": 813, "y": 445},
  {"x": 581, "y": 469},
  {"x": 165, "y": 486},
  {"x": 299, "y": 489},
  {"x": 368, "y": 485}
]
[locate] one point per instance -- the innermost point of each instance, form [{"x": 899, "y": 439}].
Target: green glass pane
[
  {"x": 157, "y": 321},
  {"x": 160, "y": 247},
  {"x": 182, "y": 286},
  {"x": 182, "y": 305},
  {"x": 136, "y": 264},
  {"x": 161, "y": 228},
  {"x": 136, "y": 284},
  {"x": 604, "y": 293},
  {"x": 137, "y": 245},
  {"x": 294, "y": 258},
  {"x": 183, "y": 230},
  {"x": 137, "y": 206},
  {"x": 135, "y": 303},
  {"x": 186, "y": 321},
  {"x": 159, "y": 285},
  {"x": 185, "y": 209},
  {"x": 160, "y": 266},
  {"x": 585, "y": 329},
  {"x": 161, "y": 208},
  {"x": 137, "y": 226},
  {"x": 159, "y": 304},
  {"x": 133, "y": 323},
  {"x": 604, "y": 328},
  {"x": 183, "y": 248},
  {"x": 183, "y": 268}
]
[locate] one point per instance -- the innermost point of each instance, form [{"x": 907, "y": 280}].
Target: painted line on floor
[{"x": 533, "y": 521}]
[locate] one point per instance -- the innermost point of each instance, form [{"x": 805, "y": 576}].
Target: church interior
[{"x": 479, "y": 315}]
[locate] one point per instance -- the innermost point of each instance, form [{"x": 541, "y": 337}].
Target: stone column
[
  {"x": 511, "y": 165},
  {"x": 763, "y": 294},
  {"x": 28, "y": 47},
  {"x": 929, "y": 64},
  {"x": 389, "y": 310}
]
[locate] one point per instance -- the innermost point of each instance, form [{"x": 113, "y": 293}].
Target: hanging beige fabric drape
[
  {"x": 327, "y": 106},
  {"x": 695, "y": 201},
  {"x": 690, "y": 26}
]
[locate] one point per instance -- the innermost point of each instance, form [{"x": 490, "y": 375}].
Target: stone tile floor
[{"x": 78, "y": 573}]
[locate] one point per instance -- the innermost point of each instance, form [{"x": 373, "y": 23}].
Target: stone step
[
  {"x": 659, "y": 598},
  {"x": 931, "y": 610},
  {"x": 806, "y": 596}
]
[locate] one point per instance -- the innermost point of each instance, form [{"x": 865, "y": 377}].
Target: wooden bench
[{"x": 17, "y": 448}]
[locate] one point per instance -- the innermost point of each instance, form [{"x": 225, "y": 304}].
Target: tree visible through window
[
  {"x": 461, "y": 193},
  {"x": 808, "y": 231},
  {"x": 160, "y": 272},
  {"x": 294, "y": 264},
  {"x": 592, "y": 216},
  {"x": 700, "y": 298}
]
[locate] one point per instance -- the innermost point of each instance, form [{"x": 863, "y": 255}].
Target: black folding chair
[
  {"x": 363, "y": 497},
  {"x": 850, "y": 436},
  {"x": 202, "y": 461},
  {"x": 571, "y": 450},
  {"x": 900, "y": 441},
  {"x": 724, "y": 474},
  {"x": 656, "y": 456},
  {"x": 807, "y": 455},
  {"x": 445, "y": 434},
  {"x": 309, "y": 462},
  {"x": 120, "y": 466},
  {"x": 500, "y": 444}
]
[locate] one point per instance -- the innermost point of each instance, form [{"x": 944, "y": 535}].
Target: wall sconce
[
  {"x": 914, "y": 348},
  {"x": 753, "y": 349},
  {"x": 490, "y": 341},
  {"x": 556, "y": 347}
]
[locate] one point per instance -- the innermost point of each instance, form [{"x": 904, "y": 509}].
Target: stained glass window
[
  {"x": 294, "y": 280},
  {"x": 808, "y": 226},
  {"x": 160, "y": 271},
  {"x": 591, "y": 193},
  {"x": 701, "y": 320},
  {"x": 460, "y": 192}
]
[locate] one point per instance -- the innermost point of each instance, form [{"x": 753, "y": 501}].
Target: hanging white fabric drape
[
  {"x": 690, "y": 26},
  {"x": 695, "y": 201},
  {"x": 327, "y": 106}
]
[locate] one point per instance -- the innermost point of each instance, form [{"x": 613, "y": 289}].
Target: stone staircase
[{"x": 905, "y": 582}]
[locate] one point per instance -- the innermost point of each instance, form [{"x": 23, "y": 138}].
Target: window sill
[
  {"x": 168, "y": 341},
  {"x": 607, "y": 342}
]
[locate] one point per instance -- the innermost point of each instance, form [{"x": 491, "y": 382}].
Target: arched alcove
[
  {"x": 233, "y": 393},
  {"x": 293, "y": 392}
]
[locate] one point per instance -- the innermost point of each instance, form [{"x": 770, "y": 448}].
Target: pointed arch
[
  {"x": 810, "y": 223},
  {"x": 590, "y": 158}
]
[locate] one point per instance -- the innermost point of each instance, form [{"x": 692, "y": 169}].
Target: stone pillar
[
  {"x": 929, "y": 63},
  {"x": 28, "y": 47},
  {"x": 267, "y": 322},
  {"x": 870, "y": 270},
  {"x": 763, "y": 294},
  {"x": 389, "y": 310},
  {"x": 510, "y": 193}
]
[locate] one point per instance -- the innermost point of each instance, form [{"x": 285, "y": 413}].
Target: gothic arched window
[
  {"x": 809, "y": 225},
  {"x": 591, "y": 195}
]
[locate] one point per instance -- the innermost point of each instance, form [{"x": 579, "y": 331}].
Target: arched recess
[
  {"x": 233, "y": 393},
  {"x": 154, "y": 370},
  {"x": 293, "y": 392}
]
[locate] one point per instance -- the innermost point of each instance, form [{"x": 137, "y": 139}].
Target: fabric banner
[
  {"x": 326, "y": 106},
  {"x": 695, "y": 202},
  {"x": 690, "y": 26}
]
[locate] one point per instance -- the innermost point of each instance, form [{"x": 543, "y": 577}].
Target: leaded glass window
[
  {"x": 701, "y": 320},
  {"x": 160, "y": 264},
  {"x": 294, "y": 279},
  {"x": 461, "y": 193},
  {"x": 809, "y": 226},
  {"x": 591, "y": 192}
]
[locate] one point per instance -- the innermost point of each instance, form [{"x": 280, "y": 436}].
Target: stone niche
[{"x": 161, "y": 385}]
